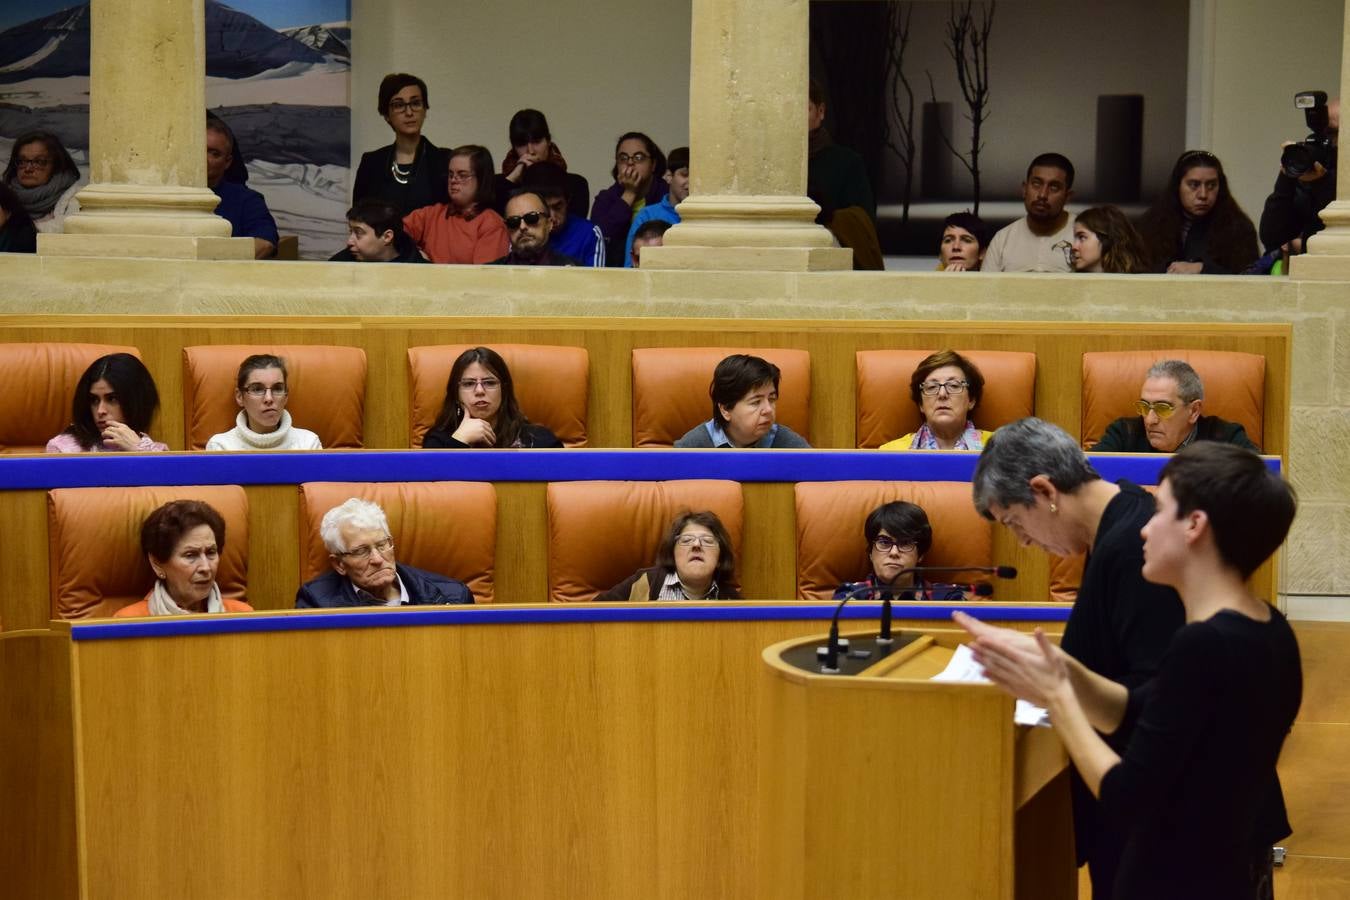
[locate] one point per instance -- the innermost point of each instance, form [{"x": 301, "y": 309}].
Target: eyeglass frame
[
  {"x": 417, "y": 104},
  {"x": 635, "y": 159},
  {"x": 487, "y": 384},
  {"x": 41, "y": 162},
  {"x": 462, "y": 176},
  {"x": 513, "y": 223},
  {"x": 903, "y": 546},
  {"x": 703, "y": 540},
  {"x": 363, "y": 552},
  {"x": 258, "y": 391},
  {"x": 953, "y": 388},
  {"x": 1144, "y": 407}
]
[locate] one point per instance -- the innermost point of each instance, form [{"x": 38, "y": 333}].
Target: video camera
[{"x": 1319, "y": 146}]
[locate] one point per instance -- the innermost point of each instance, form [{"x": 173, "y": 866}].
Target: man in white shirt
[{"x": 1039, "y": 241}]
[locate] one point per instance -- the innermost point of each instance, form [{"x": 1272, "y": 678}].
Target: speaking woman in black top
[
  {"x": 1190, "y": 791},
  {"x": 411, "y": 172}
]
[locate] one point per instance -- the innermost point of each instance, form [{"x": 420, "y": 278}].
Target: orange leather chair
[
  {"x": 552, "y": 384},
  {"x": 95, "y": 557},
  {"x": 885, "y": 410},
  {"x": 1235, "y": 387},
  {"x": 327, "y": 390},
  {"x": 40, "y": 384},
  {"x": 446, "y": 527},
  {"x": 670, "y": 390},
  {"x": 600, "y": 532},
  {"x": 831, "y": 547}
]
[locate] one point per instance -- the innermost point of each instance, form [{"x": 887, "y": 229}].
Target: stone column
[
  {"x": 147, "y": 193},
  {"x": 1328, "y": 251},
  {"x": 747, "y": 207}
]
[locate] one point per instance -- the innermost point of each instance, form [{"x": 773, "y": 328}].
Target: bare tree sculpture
[
  {"x": 898, "y": 128},
  {"x": 968, "y": 46}
]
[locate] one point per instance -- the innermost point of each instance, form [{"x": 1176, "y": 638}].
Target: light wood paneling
[{"x": 24, "y": 569}]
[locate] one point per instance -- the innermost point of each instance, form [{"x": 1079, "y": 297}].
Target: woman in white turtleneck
[{"x": 263, "y": 423}]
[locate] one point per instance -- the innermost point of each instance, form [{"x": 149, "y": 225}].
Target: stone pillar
[
  {"x": 1328, "y": 251},
  {"x": 747, "y": 207},
  {"x": 147, "y": 193}
]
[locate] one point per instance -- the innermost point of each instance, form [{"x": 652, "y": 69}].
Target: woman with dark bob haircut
[
  {"x": 114, "y": 402},
  {"x": 694, "y": 562},
  {"x": 411, "y": 172},
  {"x": 43, "y": 175},
  {"x": 182, "y": 541},
  {"x": 481, "y": 409},
  {"x": 744, "y": 394},
  {"x": 639, "y": 167},
  {"x": 1196, "y": 766},
  {"x": 1196, "y": 226},
  {"x": 946, "y": 388},
  {"x": 466, "y": 229},
  {"x": 898, "y": 537}
]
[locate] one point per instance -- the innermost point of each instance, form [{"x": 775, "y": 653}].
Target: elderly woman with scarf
[
  {"x": 44, "y": 177},
  {"x": 183, "y": 540}
]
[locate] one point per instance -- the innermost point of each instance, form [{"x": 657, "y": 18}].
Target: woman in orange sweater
[{"x": 467, "y": 229}]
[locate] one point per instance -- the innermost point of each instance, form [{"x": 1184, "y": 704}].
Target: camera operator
[{"x": 1307, "y": 179}]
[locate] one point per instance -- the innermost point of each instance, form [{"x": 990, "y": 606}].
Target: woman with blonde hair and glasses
[
  {"x": 694, "y": 562},
  {"x": 946, "y": 388}
]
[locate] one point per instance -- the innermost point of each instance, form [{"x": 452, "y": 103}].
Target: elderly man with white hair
[{"x": 365, "y": 572}]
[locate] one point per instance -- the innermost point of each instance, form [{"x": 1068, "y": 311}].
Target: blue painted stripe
[
  {"x": 116, "y": 470},
  {"x": 175, "y": 626}
]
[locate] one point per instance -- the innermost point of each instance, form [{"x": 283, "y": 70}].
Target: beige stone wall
[{"x": 1319, "y": 312}]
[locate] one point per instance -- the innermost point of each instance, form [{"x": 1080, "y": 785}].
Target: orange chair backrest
[
  {"x": 327, "y": 390},
  {"x": 670, "y": 389},
  {"x": 95, "y": 557},
  {"x": 40, "y": 383},
  {"x": 552, "y": 385},
  {"x": 832, "y": 548},
  {"x": 601, "y": 532},
  {"x": 1235, "y": 387},
  {"x": 446, "y": 527},
  {"x": 886, "y": 410}
]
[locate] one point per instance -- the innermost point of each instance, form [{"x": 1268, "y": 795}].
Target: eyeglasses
[
  {"x": 257, "y": 391},
  {"x": 41, "y": 162},
  {"x": 703, "y": 540},
  {"x": 886, "y": 545},
  {"x": 931, "y": 388},
  {"x": 1163, "y": 409},
  {"x": 398, "y": 106},
  {"x": 530, "y": 218},
  {"x": 363, "y": 552},
  {"x": 488, "y": 384},
  {"x": 636, "y": 159},
  {"x": 462, "y": 176}
]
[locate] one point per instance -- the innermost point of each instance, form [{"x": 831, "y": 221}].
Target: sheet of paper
[{"x": 964, "y": 668}]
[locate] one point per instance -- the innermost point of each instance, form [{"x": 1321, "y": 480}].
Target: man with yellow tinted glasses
[{"x": 1169, "y": 416}]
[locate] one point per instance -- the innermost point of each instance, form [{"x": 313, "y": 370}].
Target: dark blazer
[
  {"x": 423, "y": 588},
  {"x": 1128, "y": 435},
  {"x": 428, "y": 183},
  {"x": 531, "y": 436}
]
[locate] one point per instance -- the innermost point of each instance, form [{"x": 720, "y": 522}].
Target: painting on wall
[{"x": 278, "y": 71}]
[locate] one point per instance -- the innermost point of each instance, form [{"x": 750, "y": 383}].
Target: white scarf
[
  {"x": 259, "y": 441},
  {"x": 161, "y": 604}
]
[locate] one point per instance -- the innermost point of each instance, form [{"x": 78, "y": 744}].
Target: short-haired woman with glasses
[
  {"x": 466, "y": 229},
  {"x": 481, "y": 410},
  {"x": 409, "y": 173},
  {"x": 115, "y": 399},
  {"x": 263, "y": 422},
  {"x": 898, "y": 537},
  {"x": 946, "y": 388},
  {"x": 694, "y": 562}
]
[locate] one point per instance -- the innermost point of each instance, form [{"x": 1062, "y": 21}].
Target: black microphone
[
  {"x": 830, "y": 657},
  {"x": 981, "y": 590}
]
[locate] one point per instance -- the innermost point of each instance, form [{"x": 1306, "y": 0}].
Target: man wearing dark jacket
[
  {"x": 529, "y": 225},
  {"x": 1169, "y": 416},
  {"x": 365, "y": 573}
]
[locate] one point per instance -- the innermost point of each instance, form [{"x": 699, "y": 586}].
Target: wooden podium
[{"x": 883, "y": 783}]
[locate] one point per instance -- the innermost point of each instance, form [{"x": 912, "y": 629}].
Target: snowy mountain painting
[{"x": 278, "y": 71}]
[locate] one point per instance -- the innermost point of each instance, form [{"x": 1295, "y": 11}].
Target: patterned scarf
[
  {"x": 924, "y": 439},
  {"x": 42, "y": 199}
]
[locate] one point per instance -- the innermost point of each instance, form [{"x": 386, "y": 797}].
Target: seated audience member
[
  {"x": 530, "y": 229},
  {"x": 651, "y": 234},
  {"x": 1196, "y": 226},
  {"x": 744, "y": 394},
  {"x": 837, "y": 172},
  {"x": 946, "y": 387},
  {"x": 375, "y": 234},
  {"x": 365, "y": 573},
  {"x": 244, "y": 208},
  {"x": 964, "y": 240},
  {"x": 677, "y": 177},
  {"x": 532, "y": 142},
  {"x": 44, "y": 178},
  {"x": 694, "y": 562},
  {"x": 263, "y": 423},
  {"x": 639, "y": 180},
  {"x": 1170, "y": 416},
  {"x": 466, "y": 229},
  {"x": 182, "y": 540},
  {"x": 1105, "y": 241},
  {"x": 1038, "y": 241},
  {"x": 18, "y": 234},
  {"x": 409, "y": 173},
  {"x": 115, "y": 399},
  {"x": 1196, "y": 768},
  {"x": 573, "y": 236},
  {"x": 898, "y": 537},
  {"x": 481, "y": 410}
]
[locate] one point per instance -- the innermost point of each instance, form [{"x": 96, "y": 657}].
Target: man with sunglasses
[
  {"x": 528, "y": 225},
  {"x": 1170, "y": 416}
]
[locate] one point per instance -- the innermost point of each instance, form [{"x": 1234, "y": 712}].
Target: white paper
[{"x": 964, "y": 668}]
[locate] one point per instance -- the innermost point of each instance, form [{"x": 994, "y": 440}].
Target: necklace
[{"x": 400, "y": 173}]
